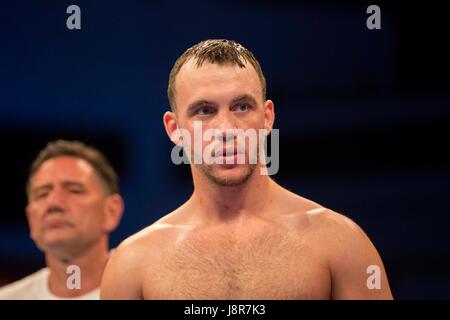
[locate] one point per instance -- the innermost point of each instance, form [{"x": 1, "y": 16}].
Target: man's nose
[
  {"x": 226, "y": 125},
  {"x": 56, "y": 198}
]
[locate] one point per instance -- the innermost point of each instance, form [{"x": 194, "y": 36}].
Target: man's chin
[
  {"x": 57, "y": 244},
  {"x": 58, "y": 241},
  {"x": 229, "y": 175}
]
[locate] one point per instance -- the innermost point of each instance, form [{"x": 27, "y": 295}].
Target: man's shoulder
[
  {"x": 153, "y": 235},
  {"x": 349, "y": 253},
  {"x": 23, "y": 288},
  {"x": 336, "y": 232},
  {"x": 321, "y": 220},
  {"x": 326, "y": 219},
  {"x": 158, "y": 236},
  {"x": 136, "y": 257}
]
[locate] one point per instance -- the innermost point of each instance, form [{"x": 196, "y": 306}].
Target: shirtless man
[{"x": 240, "y": 235}]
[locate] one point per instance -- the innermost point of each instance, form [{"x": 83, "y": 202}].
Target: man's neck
[
  {"x": 214, "y": 203},
  {"x": 91, "y": 264}
]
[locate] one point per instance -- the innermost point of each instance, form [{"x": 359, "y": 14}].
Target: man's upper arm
[
  {"x": 122, "y": 277},
  {"x": 356, "y": 267}
]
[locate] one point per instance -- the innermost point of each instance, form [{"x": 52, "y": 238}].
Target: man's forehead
[
  {"x": 67, "y": 161},
  {"x": 64, "y": 166},
  {"x": 209, "y": 73}
]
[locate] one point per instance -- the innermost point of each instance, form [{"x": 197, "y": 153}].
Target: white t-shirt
[{"x": 35, "y": 287}]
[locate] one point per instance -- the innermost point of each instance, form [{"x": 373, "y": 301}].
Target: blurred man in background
[{"x": 73, "y": 205}]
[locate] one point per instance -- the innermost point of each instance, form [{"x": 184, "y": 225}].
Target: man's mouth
[
  {"x": 229, "y": 155},
  {"x": 55, "y": 223},
  {"x": 229, "y": 152}
]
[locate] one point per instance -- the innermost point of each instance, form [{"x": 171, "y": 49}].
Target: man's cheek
[
  {"x": 33, "y": 220},
  {"x": 35, "y": 230}
]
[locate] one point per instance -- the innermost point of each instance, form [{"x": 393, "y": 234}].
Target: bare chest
[{"x": 266, "y": 265}]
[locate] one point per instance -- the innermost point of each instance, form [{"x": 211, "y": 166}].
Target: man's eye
[
  {"x": 242, "y": 107},
  {"x": 204, "y": 111},
  {"x": 76, "y": 191},
  {"x": 41, "y": 195}
]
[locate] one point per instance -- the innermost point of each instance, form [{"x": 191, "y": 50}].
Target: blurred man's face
[
  {"x": 222, "y": 97},
  {"x": 66, "y": 208}
]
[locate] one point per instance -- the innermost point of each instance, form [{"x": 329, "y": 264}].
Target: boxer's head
[
  {"x": 221, "y": 84},
  {"x": 73, "y": 198}
]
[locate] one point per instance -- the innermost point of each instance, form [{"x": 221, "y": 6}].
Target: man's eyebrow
[
  {"x": 192, "y": 106},
  {"x": 69, "y": 183},
  {"x": 44, "y": 186},
  {"x": 65, "y": 183},
  {"x": 244, "y": 97}
]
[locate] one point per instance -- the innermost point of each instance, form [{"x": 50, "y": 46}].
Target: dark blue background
[{"x": 363, "y": 115}]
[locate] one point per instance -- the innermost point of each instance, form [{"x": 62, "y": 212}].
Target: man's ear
[
  {"x": 269, "y": 116},
  {"x": 114, "y": 208},
  {"x": 171, "y": 126}
]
